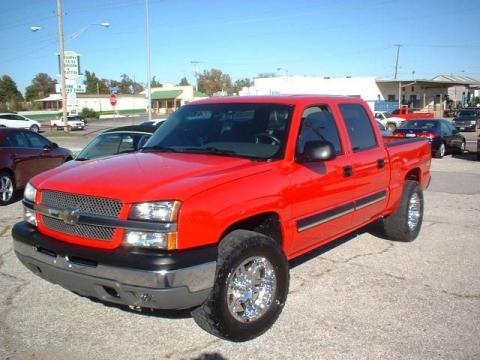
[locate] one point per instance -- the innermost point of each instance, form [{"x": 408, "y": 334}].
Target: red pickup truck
[
  {"x": 209, "y": 212},
  {"x": 405, "y": 113}
]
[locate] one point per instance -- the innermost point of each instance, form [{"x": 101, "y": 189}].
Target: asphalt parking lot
[{"x": 360, "y": 298}]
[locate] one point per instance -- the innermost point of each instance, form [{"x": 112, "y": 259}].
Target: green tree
[
  {"x": 42, "y": 86},
  {"x": 241, "y": 83},
  {"x": 10, "y": 97},
  {"x": 210, "y": 82},
  {"x": 183, "y": 82},
  {"x": 129, "y": 86},
  {"x": 92, "y": 81},
  {"x": 155, "y": 83}
]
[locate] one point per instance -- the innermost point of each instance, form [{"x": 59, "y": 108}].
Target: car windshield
[
  {"x": 420, "y": 124},
  {"x": 111, "y": 144},
  {"x": 467, "y": 113},
  {"x": 250, "y": 130}
]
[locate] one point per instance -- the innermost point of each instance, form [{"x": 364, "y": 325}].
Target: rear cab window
[{"x": 359, "y": 127}]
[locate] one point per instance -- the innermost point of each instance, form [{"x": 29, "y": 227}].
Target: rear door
[
  {"x": 43, "y": 150},
  {"x": 369, "y": 163},
  {"x": 320, "y": 192}
]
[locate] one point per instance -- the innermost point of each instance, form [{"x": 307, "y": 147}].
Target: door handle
[
  {"x": 381, "y": 163},
  {"x": 348, "y": 171}
]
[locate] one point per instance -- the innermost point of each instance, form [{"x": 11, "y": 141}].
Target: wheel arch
[
  {"x": 266, "y": 223},
  {"x": 414, "y": 174}
]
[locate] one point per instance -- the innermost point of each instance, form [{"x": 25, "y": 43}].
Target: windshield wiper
[
  {"x": 158, "y": 148},
  {"x": 209, "y": 150}
]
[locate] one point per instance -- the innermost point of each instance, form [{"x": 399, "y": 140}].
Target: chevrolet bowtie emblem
[{"x": 69, "y": 216}]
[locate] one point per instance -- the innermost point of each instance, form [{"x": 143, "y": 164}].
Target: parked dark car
[
  {"x": 440, "y": 133},
  {"x": 467, "y": 119},
  {"x": 24, "y": 154},
  {"x": 119, "y": 140}
]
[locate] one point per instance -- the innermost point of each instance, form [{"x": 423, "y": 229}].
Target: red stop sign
[{"x": 113, "y": 99}]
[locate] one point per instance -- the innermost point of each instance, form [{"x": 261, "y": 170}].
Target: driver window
[{"x": 318, "y": 124}]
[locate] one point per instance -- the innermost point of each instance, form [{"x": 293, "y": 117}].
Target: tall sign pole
[
  {"x": 62, "y": 64},
  {"x": 149, "y": 76}
]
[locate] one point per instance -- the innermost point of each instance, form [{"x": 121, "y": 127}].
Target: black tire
[
  {"x": 440, "y": 152},
  {"x": 35, "y": 128},
  {"x": 396, "y": 226},
  {"x": 237, "y": 247},
  {"x": 7, "y": 188}
]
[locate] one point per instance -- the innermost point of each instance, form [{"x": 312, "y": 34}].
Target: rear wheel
[
  {"x": 391, "y": 127},
  {"x": 440, "y": 153},
  {"x": 34, "y": 128},
  {"x": 250, "y": 289},
  {"x": 405, "y": 223},
  {"x": 7, "y": 188}
]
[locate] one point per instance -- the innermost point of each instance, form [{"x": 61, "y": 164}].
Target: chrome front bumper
[{"x": 164, "y": 289}]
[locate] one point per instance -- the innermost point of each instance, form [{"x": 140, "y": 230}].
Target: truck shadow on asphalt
[{"x": 470, "y": 156}]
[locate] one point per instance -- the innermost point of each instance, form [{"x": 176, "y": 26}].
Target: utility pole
[
  {"x": 62, "y": 64},
  {"x": 149, "y": 77},
  {"x": 195, "y": 72},
  {"x": 396, "y": 63}
]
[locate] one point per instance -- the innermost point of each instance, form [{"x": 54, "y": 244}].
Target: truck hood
[{"x": 148, "y": 176}]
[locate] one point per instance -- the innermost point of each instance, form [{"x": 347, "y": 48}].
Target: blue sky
[{"x": 245, "y": 37}]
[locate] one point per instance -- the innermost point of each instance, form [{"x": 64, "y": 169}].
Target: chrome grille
[
  {"x": 87, "y": 204},
  {"x": 86, "y": 231}
]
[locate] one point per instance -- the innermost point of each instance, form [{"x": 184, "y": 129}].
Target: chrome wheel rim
[
  {"x": 442, "y": 149},
  {"x": 462, "y": 147},
  {"x": 413, "y": 211},
  {"x": 6, "y": 188},
  {"x": 251, "y": 289}
]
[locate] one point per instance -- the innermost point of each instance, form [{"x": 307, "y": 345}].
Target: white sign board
[
  {"x": 71, "y": 88},
  {"x": 72, "y": 64}
]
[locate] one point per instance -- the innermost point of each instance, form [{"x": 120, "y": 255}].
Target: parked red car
[{"x": 24, "y": 154}]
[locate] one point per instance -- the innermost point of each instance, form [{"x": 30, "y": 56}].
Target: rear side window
[
  {"x": 359, "y": 126},
  {"x": 16, "y": 140},
  {"x": 318, "y": 124}
]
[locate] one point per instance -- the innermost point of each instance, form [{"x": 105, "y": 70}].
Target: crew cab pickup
[
  {"x": 390, "y": 122},
  {"x": 407, "y": 114},
  {"x": 208, "y": 213}
]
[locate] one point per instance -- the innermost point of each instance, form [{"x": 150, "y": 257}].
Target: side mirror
[
  {"x": 317, "y": 151},
  {"x": 54, "y": 146}
]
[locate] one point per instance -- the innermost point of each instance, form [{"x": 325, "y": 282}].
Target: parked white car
[
  {"x": 10, "y": 120},
  {"x": 73, "y": 124},
  {"x": 389, "y": 121}
]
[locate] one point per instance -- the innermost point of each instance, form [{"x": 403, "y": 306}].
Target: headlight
[
  {"x": 153, "y": 240},
  {"x": 157, "y": 211},
  {"x": 30, "y": 193}
]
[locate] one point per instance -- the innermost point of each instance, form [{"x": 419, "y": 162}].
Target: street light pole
[
  {"x": 149, "y": 88},
  {"x": 62, "y": 64}
]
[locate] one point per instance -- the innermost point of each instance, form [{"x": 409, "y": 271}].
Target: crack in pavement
[{"x": 4, "y": 231}]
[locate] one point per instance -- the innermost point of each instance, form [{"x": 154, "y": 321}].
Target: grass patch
[{"x": 60, "y": 133}]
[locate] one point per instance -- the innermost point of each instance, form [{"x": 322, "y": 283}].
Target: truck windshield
[
  {"x": 467, "y": 113},
  {"x": 250, "y": 130}
]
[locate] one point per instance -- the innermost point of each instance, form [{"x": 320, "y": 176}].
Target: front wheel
[
  {"x": 405, "y": 223},
  {"x": 250, "y": 289},
  {"x": 7, "y": 188}
]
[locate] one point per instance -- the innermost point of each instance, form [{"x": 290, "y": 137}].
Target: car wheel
[
  {"x": 391, "y": 127},
  {"x": 34, "y": 128},
  {"x": 440, "y": 153},
  {"x": 7, "y": 188},
  {"x": 250, "y": 290},
  {"x": 405, "y": 223},
  {"x": 461, "y": 150}
]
